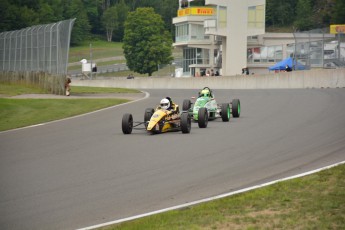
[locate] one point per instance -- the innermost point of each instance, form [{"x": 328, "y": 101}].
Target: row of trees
[
  {"x": 94, "y": 17},
  {"x": 107, "y": 17},
  {"x": 304, "y": 15}
]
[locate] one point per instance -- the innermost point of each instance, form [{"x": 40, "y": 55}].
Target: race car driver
[
  {"x": 168, "y": 104},
  {"x": 205, "y": 92}
]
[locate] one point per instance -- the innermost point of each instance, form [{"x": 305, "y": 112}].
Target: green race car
[{"x": 205, "y": 108}]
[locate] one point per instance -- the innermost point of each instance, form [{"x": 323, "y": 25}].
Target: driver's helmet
[
  {"x": 205, "y": 93},
  {"x": 165, "y": 103}
]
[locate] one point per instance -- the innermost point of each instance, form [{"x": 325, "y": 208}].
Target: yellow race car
[{"x": 158, "y": 120}]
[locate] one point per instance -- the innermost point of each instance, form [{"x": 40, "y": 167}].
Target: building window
[
  {"x": 265, "y": 54},
  {"x": 187, "y": 32},
  {"x": 222, "y": 17},
  {"x": 256, "y": 17},
  {"x": 194, "y": 56},
  {"x": 198, "y": 32},
  {"x": 182, "y": 32}
]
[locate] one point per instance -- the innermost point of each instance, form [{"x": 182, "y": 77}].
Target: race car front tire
[
  {"x": 127, "y": 123},
  {"x": 236, "y": 108},
  {"x": 202, "y": 117},
  {"x": 186, "y": 123},
  {"x": 148, "y": 114},
  {"x": 225, "y": 112}
]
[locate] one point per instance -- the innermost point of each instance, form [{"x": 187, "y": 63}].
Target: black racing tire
[
  {"x": 225, "y": 112},
  {"x": 202, "y": 117},
  {"x": 186, "y": 123},
  {"x": 148, "y": 114},
  {"x": 127, "y": 123},
  {"x": 236, "y": 108},
  {"x": 186, "y": 105}
]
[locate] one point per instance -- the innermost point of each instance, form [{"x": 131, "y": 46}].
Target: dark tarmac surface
[{"x": 84, "y": 171}]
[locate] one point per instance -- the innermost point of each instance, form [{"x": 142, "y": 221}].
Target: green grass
[
  {"x": 99, "y": 49},
  {"x": 105, "y": 63},
  {"x": 7, "y": 89},
  {"x": 90, "y": 90},
  {"x": 163, "y": 72},
  {"x": 313, "y": 202},
  {"x": 18, "y": 89},
  {"x": 16, "y": 113}
]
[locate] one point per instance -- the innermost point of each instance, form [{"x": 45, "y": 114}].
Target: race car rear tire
[
  {"x": 225, "y": 112},
  {"x": 148, "y": 114},
  {"x": 186, "y": 105},
  {"x": 202, "y": 117},
  {"x": 127, "y": 123},
  {"x": 236, "y": 108},
  {"x": 186, "y": 123}
]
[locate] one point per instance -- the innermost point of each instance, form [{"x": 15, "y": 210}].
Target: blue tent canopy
[{"x": 288, "y": 61}]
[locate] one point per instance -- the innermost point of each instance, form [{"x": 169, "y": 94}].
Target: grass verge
[
  {"x": 166, "y": 71},
  {"x": 105, "y": 63},
  {"x": 16, "y": 113},
  {"x": 99, "y": 49},
  {"x": 8, "y": 89},
  {"x": 18, "y": 89},
  {"x": 312, "y": 202},
  {"x": 88, "y": 90}
]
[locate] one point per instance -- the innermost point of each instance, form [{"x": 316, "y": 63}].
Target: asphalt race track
[{"x": 83, "y": 171}]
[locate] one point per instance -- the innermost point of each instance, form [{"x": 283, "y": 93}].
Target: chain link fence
[
  {"x": 38, "y": 48},
  {"x": 318, "y": 48}
]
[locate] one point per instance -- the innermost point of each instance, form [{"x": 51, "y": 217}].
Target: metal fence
[
  {"x": 319, "y": 48},
  {"x": 37, "y": 48}
]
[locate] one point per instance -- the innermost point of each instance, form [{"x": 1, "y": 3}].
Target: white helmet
[{"x": 165, "y": 103}]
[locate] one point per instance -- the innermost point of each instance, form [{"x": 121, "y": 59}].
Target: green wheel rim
[{"x": 229, "y": 111}]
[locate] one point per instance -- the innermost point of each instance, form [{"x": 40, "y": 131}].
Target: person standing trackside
[
  {"x": 288, "y": 68},
  {"x": 245, "y": 71},
  {"x": 208, "y": 73},
  {"x": 67, "y": 86}
]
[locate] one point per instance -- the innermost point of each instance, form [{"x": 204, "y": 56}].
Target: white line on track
[{"x": 210, "y": 198}]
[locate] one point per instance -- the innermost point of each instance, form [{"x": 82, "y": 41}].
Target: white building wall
[
  {"x": 236, "y": 45},
  {"x": 235, "y": 37}
]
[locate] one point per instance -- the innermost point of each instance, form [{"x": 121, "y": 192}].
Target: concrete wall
[{"x": 323, "y": 78}]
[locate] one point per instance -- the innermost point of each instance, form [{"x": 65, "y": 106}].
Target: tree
[
  {"x": 46, "y": 14},
  {"x": 109, "y": 21},
  {"x": 168, "y": 10},
  {"x": 81, "y": 28},
  {"x": 146, "y": 43},
  {"x": 280, "y": 12},
  {"x": 304, "y": 15},
  {"x": 339, "y": 12},
  {"x": 122, "y": 12},
  {"x": 7, "y": 16},
  {"x": 94, "y": 12}
]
